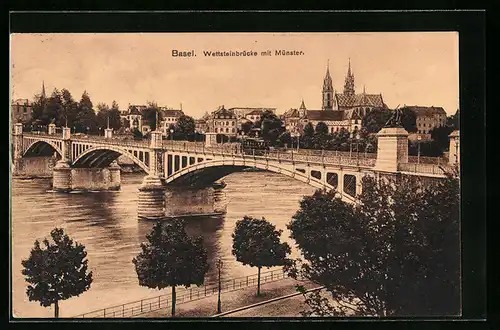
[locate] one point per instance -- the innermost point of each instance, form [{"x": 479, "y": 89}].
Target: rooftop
[{"x": 425, "y": 111}]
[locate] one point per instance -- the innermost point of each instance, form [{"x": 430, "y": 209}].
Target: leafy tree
[
  {"x": 321, "y": 128},
  {"x": 427, "y": 149},
  {"x": 271, "y": 126},
  {"x": 285, "y": 138},
  {"x": 86, "y": 117},
  {"x": 137, "y": 134},
  {"x": 56, "y": 271},
  {"x": 409, "y": 120},
  {"x": 53, "y": 109},
  {"x": 454, "y": 120},
  {"x": 38, "y": 108},
  {"x": 246, "y": 127},
  {"x": 184, "y": 128},
  {"x": 115, "y": 121},
  {"x": 376, "y": 119},
  {"x": 395, "y": 253},
  {"x": 69, "y": 107},
  {"x": 306, "y": 140},
  {"x": 256, "y": 242},
  {"x": 440, "y": 135},
  {"x": 171, "y": 258},
  {"x": 151, "y": 113},
  {"x": 104, "y": 113}
]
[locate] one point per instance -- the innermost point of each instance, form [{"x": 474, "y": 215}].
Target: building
[
  {"x": 362, "y": 103},
  {"x": 428, "y": 118},
  {"x": 134, "y": 118},
  {"x": 21, "y": 111},
  {"x": 224, "y": 121},
  {"x": 169, "y": 117},
  {"x": 243, "y": 112},
  {"x": 339, "y": 110}
]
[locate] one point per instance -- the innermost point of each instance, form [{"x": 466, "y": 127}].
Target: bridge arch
[
  {"x": 222, "y": 167},
  {"x": 41, "y": 145},
  {"x": 104, "y": 156}
]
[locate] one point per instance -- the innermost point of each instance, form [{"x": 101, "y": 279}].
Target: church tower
[
  {"x": 327, "y": 91},
  {"x": 349, "y": 82},
  {"x": 302, "y": 109}
]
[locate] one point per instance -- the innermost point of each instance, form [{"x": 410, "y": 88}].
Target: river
[{"x": 106, "y": 223}]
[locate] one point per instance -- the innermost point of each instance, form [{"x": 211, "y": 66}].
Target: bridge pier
[
  {"x": 61, "y": 179},
  {"x": 151, "y": 196},
  {"x": 151, "y": 199},
  {"x": 114, "y": 176}
]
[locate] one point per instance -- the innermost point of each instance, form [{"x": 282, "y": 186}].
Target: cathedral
[{"x": 339, "y": 110}]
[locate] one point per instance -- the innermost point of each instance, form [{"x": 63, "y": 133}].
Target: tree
[
  {"x": 409, "y": 120},
  {"x": 184, "y": 128},
  {"x": 306, "y": 140},
  {"x": 246, "y": 127},
  {"x": 454, "y": 120},
  {"x": 171, "y": 258},
  {"x": 151, "y": 114},
  {"x": 321, "y": 128},
  {"x": 137, "y": 134},
  {"x": 256, "y": 242},
  {"x": 271, "y": 126},
  {"x": 376, "y": 119},
  {"x": 104, "y": 113},
  {"x": 396, "y": 253},
  {"x": 69, "y": 107},
  {"x": 440, "y": 135},
  {"x": 115, "y": 121},
  {"x": 53, "y": 109},
  {"x": 285, "y": 138},
  {"x": 86, "y": 118},
  {"x": 56, "y": 271}
]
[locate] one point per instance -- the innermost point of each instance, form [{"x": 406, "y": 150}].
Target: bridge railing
[
  {"x": 423, "y": 168},
  {"x": 184, "y": 295},
  {"x": 428, "y": 160}
]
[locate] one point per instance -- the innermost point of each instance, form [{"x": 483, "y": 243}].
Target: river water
[{"x": 106, "y": 223}]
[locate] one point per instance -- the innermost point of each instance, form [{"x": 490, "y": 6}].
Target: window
[
  {"x": 216, "y": 130},
  {"x": 227, "y": 130},
  {"x": 337, "y": 129},
  {"x": 233, "y": 130},
  {"x": 233, "y": 123},
  {"x": 227, "y": 123}
]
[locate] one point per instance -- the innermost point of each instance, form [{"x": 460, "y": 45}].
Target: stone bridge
[{"x": 90, "y": 163}]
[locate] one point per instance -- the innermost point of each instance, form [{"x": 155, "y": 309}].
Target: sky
[{"x": 412, "y": 68}]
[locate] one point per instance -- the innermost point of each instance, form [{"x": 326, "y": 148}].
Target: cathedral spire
[
  {"x": 349, "y": 82},
  {"x": 327, "y": 89}
]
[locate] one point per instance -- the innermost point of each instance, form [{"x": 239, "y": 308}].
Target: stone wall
[{"x": 34, "y": 167}]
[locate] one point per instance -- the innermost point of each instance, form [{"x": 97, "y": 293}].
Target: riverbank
[{"x": 207, "y": 307}]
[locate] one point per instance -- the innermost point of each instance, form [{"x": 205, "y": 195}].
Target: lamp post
[
  {"x": 357, "y": 149},
  {"x": 350, "y": 145},
  {"x": 172, "y": 137},
  {"x": 219, "y": 266},
  {"x": 298, "y": 140},
  {"x": 456, "y": 150},
  {"x": 419, "y": 138}
]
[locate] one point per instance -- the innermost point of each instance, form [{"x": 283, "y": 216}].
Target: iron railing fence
[
  {"x": 183, "y": 295},
  {"x": 428, "y": 160},
  {"x": 423, "y": 168},
  {"x": 415, "y": 164}
]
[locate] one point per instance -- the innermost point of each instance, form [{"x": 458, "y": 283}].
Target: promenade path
[{"x": 231, "y": 300}]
